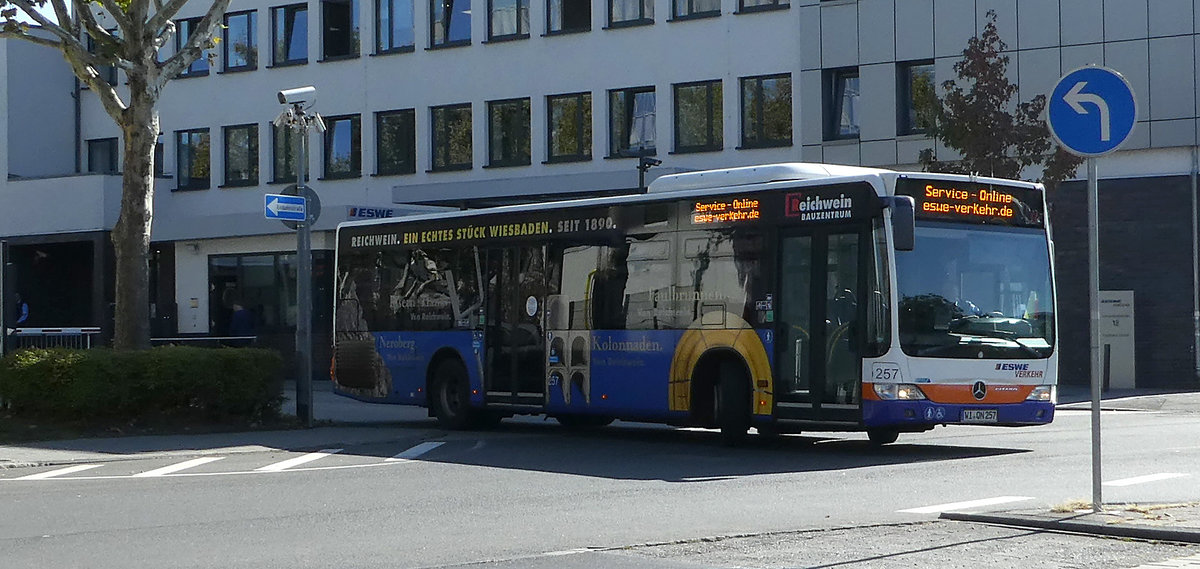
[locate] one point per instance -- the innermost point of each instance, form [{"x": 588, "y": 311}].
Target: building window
[
  {"x": 630, "y": 12},
  {"x": 159, "y": 157},
  {"x": 631, "y": 122},
  {"x": 570, "y": 126},
  {"x": 508, "y": 19},
  {"x": 762, "y": 5},
  {"x": 841, "y": 104},
  {"x": 449, "y": 22},
  {"x": 283, "y": 150},
  {"x": 289, "y": 34},
  {"x": 102, "y": 156},
  {"x": 451, "y": 137},
  {"x": 393, "y": 25},
  {"x": 107, "y": 72},
  {"x": 564, "y": 16},
  {"x": 396, "y": 142},
  {"x": 767, "y": 111},
  {"x": 241, "y": 155},
  {"x": 508, "y": 132},
  {"x": 240, "y": 48},
  {"x": 192, "y": 159},
  {"x": 684, "y": 9},
  {"x": 698, "y": 117},
  {"x": 343, "y": 147},
  {"x": 913, "y": 78},
  {"x": 339, "y": 28},
  {"x": 185, "y": 28}
]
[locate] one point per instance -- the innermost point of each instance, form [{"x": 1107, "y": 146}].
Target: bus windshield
[{"x": 976, "y": 291}]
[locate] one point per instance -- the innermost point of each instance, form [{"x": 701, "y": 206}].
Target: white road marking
[
  {"x": 278, "y": 466},
  {"x": 416, "y": 451},
  {"x": 177, "y": 467},
  {"x": 1144, "y": 479},
  {"x": 59, "y": 472},
  {"x": 965, "y": 505}
]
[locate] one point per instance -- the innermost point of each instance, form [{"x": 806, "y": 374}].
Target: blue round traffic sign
[{"x": 1091, "y": 111}]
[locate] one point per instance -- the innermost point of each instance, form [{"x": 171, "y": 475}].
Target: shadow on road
[{"x": 635, "y": 452}]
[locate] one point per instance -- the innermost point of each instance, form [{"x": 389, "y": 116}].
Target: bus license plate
[{"x": 979, "y": 415}]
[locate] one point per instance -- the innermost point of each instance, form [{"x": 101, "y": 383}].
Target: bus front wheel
[
  {"x": 880, "y": 437},
  {"x": 452, "y": 396}
]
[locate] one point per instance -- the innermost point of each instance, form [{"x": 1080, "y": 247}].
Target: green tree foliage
[
  {"x": 143, "y": 27},
  {"x": 974, "y": 118}
]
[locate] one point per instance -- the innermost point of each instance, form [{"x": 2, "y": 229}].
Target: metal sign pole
[
  {"x": 303, "y": 286},
  {"x": 1094, "y": 306}
]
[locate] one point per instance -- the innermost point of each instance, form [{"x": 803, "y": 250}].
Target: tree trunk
[{"x": 131, "y": 235}]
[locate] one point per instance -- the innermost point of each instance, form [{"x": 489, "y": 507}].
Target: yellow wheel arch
[{"x": 741, "y": 338}]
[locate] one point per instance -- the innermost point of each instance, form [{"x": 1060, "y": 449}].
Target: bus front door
[
  {"x": 516, "y": 341},
  {"x": 818, "y": 363}
]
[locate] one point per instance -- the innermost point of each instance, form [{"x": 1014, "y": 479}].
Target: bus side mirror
[{"x": 903, "y": 222}]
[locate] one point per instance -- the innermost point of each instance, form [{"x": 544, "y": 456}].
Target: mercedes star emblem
[{"x": 979, "y": 390}]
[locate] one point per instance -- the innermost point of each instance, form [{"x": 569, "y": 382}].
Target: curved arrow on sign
[{"x": 1076, "y": 99}]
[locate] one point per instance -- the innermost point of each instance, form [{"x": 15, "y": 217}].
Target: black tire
[
  {"x": 769, "y": 431},
  {"x": 452, "y": 396},
  {"x": 880, "y": 437},
  {"x": 732, "y": 403},
  {"x": 583, "y": 422}
]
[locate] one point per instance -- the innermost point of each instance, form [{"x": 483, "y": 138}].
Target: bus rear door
[{"x": 515, "y": 334}]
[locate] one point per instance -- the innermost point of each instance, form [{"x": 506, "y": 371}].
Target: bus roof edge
[{"x": 747, "y": 175}]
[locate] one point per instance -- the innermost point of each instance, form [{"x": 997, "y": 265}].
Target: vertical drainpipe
[
  {"x": 1195, "y": 263},
  {"x": 79, "y": 129}
]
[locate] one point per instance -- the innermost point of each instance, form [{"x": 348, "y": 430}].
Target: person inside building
[
  {"x": 21, "y": 309},
  {"x": 241, "y": 323}
]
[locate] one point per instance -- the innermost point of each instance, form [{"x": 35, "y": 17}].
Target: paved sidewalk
[{"x": 1159, "y": 522}]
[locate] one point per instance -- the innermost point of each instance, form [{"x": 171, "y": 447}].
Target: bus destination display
[
  {"x": 726, "y": 211},
  {"x": 973, "y": 203}
]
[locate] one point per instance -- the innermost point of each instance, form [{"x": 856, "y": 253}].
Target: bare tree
[
  {"x": 143, "y": 28},
  {"x": 974, "y": 118}
]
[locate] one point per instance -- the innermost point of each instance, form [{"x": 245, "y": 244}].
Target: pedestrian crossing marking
[
  {"x": 965, "y": 505},
  {"x": 416, "y": 451},
  {"x": 59, "y": 472},
  {"x": 178, "y": 467},
  {"x": 284, "y": 465},
  {"x": 1145, "y": 479}
]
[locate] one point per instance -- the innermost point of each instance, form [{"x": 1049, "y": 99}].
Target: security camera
[
  {"x": 297, "y": 95},
  {"x": 648, "y": 161}
]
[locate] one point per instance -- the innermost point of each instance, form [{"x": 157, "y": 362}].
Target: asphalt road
[{"x": 530, "y": 494}]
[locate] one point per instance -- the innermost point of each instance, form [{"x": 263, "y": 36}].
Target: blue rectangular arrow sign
[{"x": 279, "y": 206}]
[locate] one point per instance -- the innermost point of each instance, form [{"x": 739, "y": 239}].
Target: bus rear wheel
[
  {"x": 452, "y": 396},
  {"x": 880, "y": 437},
  {"x": 732, "y": 396}
]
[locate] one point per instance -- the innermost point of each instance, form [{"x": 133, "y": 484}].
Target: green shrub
[{"x": 170, "y": 384}]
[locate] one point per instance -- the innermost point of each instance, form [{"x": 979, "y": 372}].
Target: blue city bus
[{"x": 783, "y": 298}]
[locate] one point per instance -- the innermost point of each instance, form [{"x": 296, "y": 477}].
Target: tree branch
[
  {"x": 192, "y": 49},
  {"x": 164, "y": 14},
  {"x": 125, "y": 24},
  {"x": 87, "y": 21},
  {"x": 88, "y": 73},
  {"x": 64, "y": 17},
  {"x": 45, "y": 24},
  {"x": 26, "y": 36}
]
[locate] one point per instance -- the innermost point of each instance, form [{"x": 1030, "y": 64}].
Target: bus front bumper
[{"x": 924, "y": 413}]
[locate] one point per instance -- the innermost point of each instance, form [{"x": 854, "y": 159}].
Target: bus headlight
[
  {"x": 898, "y": 391},
  {"x": 1044, "y": 393}
]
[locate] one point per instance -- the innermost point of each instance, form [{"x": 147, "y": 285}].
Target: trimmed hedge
[{"x": 170, "y": 384}]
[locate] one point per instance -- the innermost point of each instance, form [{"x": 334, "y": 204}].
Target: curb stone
[{"x": 1076, "y": 525}]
